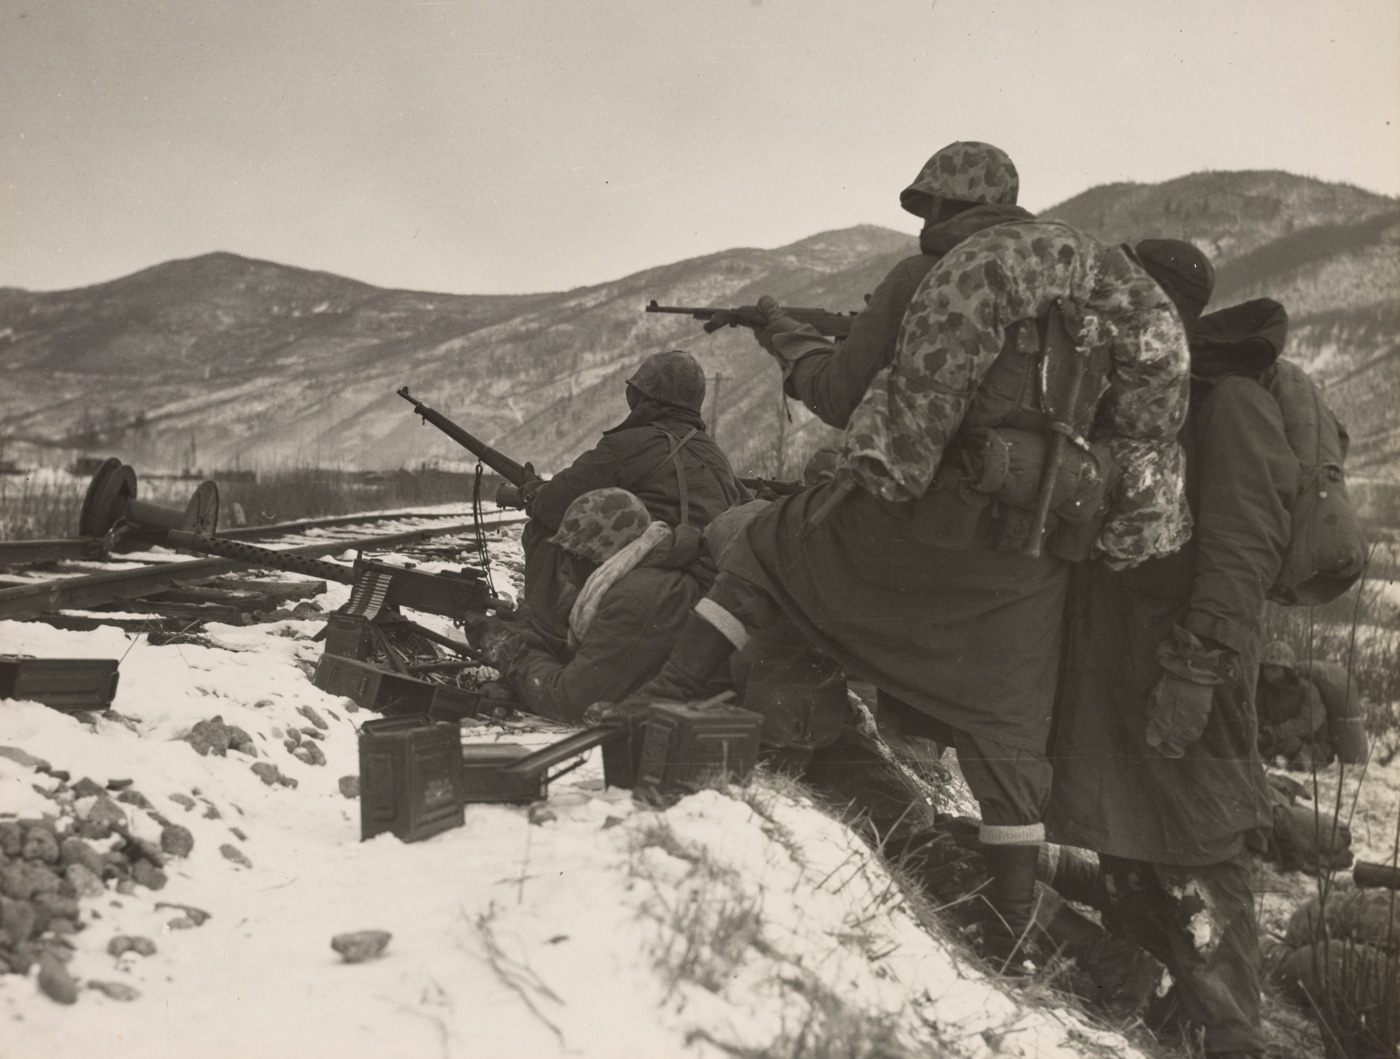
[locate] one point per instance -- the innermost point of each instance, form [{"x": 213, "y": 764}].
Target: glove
[
  {"x": 498, "y": 643},
  {"x": 629, "y": 709},
  {"x": 1177, "y": 711},
  {"x": 744, "y": 316}
]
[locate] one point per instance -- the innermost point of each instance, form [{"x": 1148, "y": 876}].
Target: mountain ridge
[{"x": 222, "y": 360}]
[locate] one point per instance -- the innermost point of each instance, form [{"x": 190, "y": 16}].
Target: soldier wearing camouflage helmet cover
[
  {"x": 912, "y": 568},
  {"x": 660, "y": 452},
  {"x": 634, "y": 584}
]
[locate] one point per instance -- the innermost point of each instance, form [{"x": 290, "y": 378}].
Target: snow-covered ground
[{"x": 744, "y": 922}]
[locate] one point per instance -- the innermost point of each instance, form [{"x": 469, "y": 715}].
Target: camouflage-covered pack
[{"x": 957, "y": 325}]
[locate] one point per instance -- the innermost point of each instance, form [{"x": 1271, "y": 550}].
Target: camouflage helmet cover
[
  {"x": 673, "y": 377},
  {"x": 967, "y": 171},
  {"x": 601, "y": 523},
  {"x": 1278, "y": 653}
]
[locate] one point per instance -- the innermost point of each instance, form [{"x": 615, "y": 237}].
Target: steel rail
[{"x": 31, "y": 601}]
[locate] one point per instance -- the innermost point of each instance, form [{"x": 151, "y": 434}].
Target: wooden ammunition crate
[{"x": 68, "y": 684}]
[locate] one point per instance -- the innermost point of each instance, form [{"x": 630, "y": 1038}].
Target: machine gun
[{"x": 834, "y": 325}]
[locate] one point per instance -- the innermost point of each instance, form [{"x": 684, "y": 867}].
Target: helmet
[
  {"x": 1182, "y": 270},
  {"x": 967, "y": 171},
  {"x": 1278, "y": 653},
  {"x": 673, "y": 377},
  {"x": 600, "y": 523}
]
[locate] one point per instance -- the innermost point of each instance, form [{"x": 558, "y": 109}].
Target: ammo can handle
[{"x": 534, "y": 764}]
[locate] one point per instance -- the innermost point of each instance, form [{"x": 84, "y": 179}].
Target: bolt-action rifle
[
  {"x": 834, "y": 325},
  {"x": 521, "y": 478}
]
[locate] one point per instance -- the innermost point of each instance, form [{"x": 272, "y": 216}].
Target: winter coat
[
  {"x": 1112, "y": 793},
  {"x": 1319, "y": 705},
  {"x": 625, "y": 645},
  {"x": 636, "y": 456}
]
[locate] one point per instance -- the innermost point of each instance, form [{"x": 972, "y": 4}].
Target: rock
[
  {"x": 312, "y": 733},
  {"x": 262, "y": 704},
  {"x": 184, "y": 801},
  {"x": 238, "y": 737},
  {"x": 76, "y": 851},
  {"x": 115, "y": 865},
  {"x": 57, "y": 905},
  {"x": 211, "y": 811},
  {"x": 146, "y": 874},
  {"x": 104, "y": 814},
  {"x": 318, "y": 756},
  {"x": 210, "y": 737},
  {"x": 19, "y": 920},
  {"x": 271, "y": 774},
  {"x": 131, "y": 796},
  {"x": 360, "y": 945},
  {"x": 293, "y": 737},
  {"x": 40, "y": 845},
  {"x": 24, "y": 879},
  {"x": 124, "y": 943},
  {"x": 63, "y": 925},
  {"x": 55, "y": 981},
  {"x": 115, "y": 990},
  {"x": 238, "y": 834},
  {"x": 24, "y": 758},
  {"x": 311, "y": 715},
  {"x": 193, "y": 917},
  {"x": 88, "y": 788},
  {"x": 138, "y": 848},
  {"x": 176, "y": 840},
  {"x": 302, "y": 754},
  {"x": 235, "y": 854},
  {"x": 11, "y": 838},
  {"x": 126, "y": 887},
  {"x": 85, "y": 881},
  {"x": 249, "y": 749},
  {"x": 119, "y": 785},
  {"x": 350, "y": 786}
]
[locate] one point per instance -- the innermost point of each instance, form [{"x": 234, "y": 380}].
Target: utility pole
[{"x": 719, "y": 377}]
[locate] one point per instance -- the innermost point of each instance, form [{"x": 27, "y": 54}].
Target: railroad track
[{"x": 119, "y": 556}]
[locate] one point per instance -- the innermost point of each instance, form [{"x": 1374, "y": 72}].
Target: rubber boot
[
  {"x": 1010, "y": 893},
  {"x": 700, "y": 650},
  {"x": 1071, "y": 872}
]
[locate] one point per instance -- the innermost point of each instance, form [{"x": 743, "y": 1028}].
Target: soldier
[
  {"x": 1155, "y": 764},
  {"x": 1309, "y": 714},
  {"x": 660, "y": 453},
  {"x": 633, "y": 584},
  {"x": 924, "y": 566}
]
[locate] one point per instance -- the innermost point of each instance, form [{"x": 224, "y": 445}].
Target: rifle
[
  {"x": 516, "y": 474},
  {"x": 834, "y": 325}
]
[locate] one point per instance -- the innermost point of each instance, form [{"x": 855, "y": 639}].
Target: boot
[
  {"x": 1010, "y": 895},
  {"x": 1071, "y": 872},
  {"x": 700, "y": 650}
]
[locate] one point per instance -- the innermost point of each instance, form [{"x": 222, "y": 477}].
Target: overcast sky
[{"x": 491, "y": 146}]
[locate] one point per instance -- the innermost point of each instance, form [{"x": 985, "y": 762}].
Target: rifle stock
[
  {"x": 515, "y": 473},
  {"x": 833, "y": 325}
]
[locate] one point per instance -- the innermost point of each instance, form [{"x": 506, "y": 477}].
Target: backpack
[{"x": 1327, "y": 548}]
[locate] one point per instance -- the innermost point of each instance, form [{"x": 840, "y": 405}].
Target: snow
[{"x": 743, "y": 921}]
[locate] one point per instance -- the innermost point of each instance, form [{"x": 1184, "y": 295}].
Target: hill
[{"x": 221, "y": 361}]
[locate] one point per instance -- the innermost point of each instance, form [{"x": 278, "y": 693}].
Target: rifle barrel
[{"x": 513, "y": 472}]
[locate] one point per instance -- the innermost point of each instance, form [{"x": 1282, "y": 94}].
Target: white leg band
[
  {"x": 730, "y": 627},
  {"x": 1011, "y": 834}
]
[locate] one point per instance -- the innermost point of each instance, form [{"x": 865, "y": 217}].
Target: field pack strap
[{"x": 674, "y": 456}]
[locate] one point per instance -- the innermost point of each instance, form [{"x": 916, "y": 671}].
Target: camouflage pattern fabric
[
  {"x": 673, "y": 377},
  {"x": 956, "y": 326},
  {"x": 967, "y": 171},
  {"x": 601, "y": 523}
]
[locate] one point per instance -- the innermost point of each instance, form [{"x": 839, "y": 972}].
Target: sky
[{"x": 512, "y": 146}]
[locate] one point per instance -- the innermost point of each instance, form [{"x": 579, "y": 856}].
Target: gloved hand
[
  {"x": 498, "y": 643},
  {"x": 744, "y": 316},
  {"x": 1177, "y": 711},
  {"x": 629, "y": 709},
  {"x": 1179, "y": 705}
]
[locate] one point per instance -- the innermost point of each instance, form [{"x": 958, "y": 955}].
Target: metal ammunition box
[
  {"x": 68, "y": 684},
  {"x": 452, "y": 704},
  {"x": 486, "y": 779},
  {"x": 372, "y": 687},
  {"x": 685, "y": 748},
  {"x": 410, "y": 777}
]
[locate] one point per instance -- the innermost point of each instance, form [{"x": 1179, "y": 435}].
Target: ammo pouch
[
  {"x": 1007, "y": 465},
  {"x": 1003, "y": 466}
]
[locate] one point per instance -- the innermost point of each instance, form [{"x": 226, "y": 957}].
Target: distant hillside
[{"x": 220, "y": 361}]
